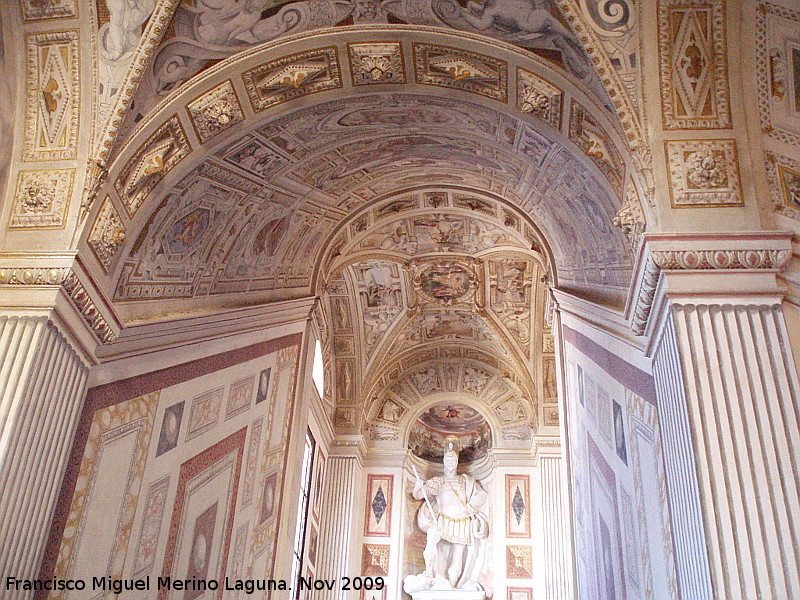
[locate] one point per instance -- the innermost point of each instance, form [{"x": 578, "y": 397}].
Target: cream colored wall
[{"x": 142, "y": 494}]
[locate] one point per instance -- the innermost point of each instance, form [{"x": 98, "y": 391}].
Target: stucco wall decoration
[
  {"x": 784, "y": 178},
  {"x": 590, "y": 137},
  {"x": 107, "y": 234},
  {"x": 693, "y": 64},
  {"x": 704, "y": 173},
  {"x": 215, "y": 111},
  {"x": 456, "y": 68},
  {"x": 778, "y": 68},
  {"x": 155, "y": 158},
  {"x": 42, "y": 199},
  {"x": 150, "y": 530},
  {"x": 538, "y": 97},
  {"x": 376, "y": 63},
  {"x": 53, "y": 95},
  {"x": 37, "y": 10},
  {"x": 292, "y": 76}
]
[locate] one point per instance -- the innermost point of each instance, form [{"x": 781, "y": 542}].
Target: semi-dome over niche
[{"x": 427, "y": 436}]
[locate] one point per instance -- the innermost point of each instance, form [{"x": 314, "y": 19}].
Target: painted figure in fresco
[
  {"x": 455, "y": 519},
  {"x": 528, "y": 20},
  {"x": 124, "y": 29}
]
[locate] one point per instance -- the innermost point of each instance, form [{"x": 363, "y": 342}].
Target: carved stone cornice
[
  {"x": 721, "y": 259},
  {"x": 756, "y": 252},
  {"x": 70, "y": 284}
]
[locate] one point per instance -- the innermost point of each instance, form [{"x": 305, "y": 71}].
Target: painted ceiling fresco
[
  {"x": 427, "y": 435},
  {"x": 202, "y": 32},
  {"x": 253, "y": 218}
]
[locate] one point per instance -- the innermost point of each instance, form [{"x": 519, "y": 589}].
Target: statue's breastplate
[{"x": 452, "y": 499}]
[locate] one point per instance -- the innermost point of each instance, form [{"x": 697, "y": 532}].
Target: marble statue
[{"x": 455, "y": 520}]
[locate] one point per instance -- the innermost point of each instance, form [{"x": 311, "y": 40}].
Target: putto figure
[{"x": 455, "y": 520}]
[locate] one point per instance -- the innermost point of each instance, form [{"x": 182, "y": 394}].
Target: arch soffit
[{"x": 170, "y": 139}]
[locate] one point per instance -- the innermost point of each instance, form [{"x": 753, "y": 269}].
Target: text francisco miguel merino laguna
[{"x": 249, "y": 586}]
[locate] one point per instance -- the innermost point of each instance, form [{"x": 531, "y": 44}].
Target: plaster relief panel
[
  {"x": 291, "y": 77},
  {"x": 538, "y": 97},
  {"x": 107, "y": 234},
  {"x": 151, "y": 162},
  {"x": 693, "y": 64},
  {"x": 589, "y": 136},
  {"x": 704, "y": 173},
  {"x": 511, "y": 299},
  {"x": 37, "y": 10},
  {"x": 53, "y": 96},
  {"x": 376, "y": 63},
  {"x": 778, "y": 70},
  {"x": 215, "y": 111},
  {"x": 784, "y": 178},
  {"x": 41, "y": 199},
  {"x": 460, "y": 69},
  {"x": 379, "y": 289}
]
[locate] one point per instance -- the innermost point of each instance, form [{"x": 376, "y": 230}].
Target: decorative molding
[
  {"x": 70, "y": 284},
  {"x": 721, "y": 259},
  {"x": 643, "y": 305},
  {"x": 761, "y": 251},
  {"x": 157, "y": 24}
]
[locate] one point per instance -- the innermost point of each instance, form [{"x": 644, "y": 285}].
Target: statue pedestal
[{"x": 449, "y": 595}]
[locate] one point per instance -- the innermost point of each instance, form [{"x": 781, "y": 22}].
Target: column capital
[
  {"x": 58, "y": 282},
  {"x": 695, "y": 268}
]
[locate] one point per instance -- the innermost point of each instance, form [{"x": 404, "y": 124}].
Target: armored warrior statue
[{"x": 455, "y": 519}]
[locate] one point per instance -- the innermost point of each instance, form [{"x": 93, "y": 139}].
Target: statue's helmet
[{"x": 451, "y": 445}]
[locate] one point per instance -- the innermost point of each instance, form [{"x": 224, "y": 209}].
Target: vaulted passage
[{"x": 400, "y": 300}]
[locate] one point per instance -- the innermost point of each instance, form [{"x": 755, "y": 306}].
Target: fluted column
[
  {"x": 42, "y": 388},
  {"x": 729, "y": 409},
  {"x": 553, "y": 515},
  {"x": 335, "y": 544},
  {"x": 743, "y": 399}
]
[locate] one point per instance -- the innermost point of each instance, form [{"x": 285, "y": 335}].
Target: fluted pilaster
[
  {"x": 691, "y": 556},
  {"x": 337, "y": 523},
  {"x": 743, "y": 398},
  {"x": 42, "y": 387},
  {"x": 555, "y": 550}
]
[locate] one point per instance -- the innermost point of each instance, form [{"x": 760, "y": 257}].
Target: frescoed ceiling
[
  {"x": 203, "y": 32},
  {"x": 428, "y": 187}
]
